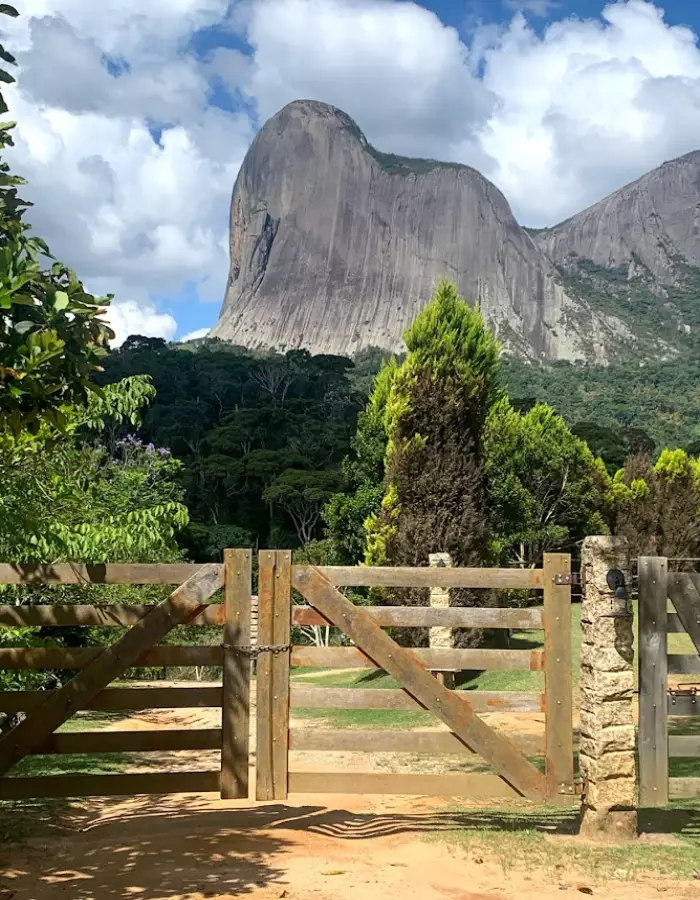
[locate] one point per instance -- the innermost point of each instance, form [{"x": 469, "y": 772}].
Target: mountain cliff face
[
  {"x": 336, "y": 246},
  {"x": 637, "y": 253}
]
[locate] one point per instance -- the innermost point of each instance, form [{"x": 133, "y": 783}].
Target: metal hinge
[
  {"x": 690, "y": 691},
  {"x": 577, "y": 789},
  {"x": 567, "y": 578},
  {"x": 254, "y": 652}
]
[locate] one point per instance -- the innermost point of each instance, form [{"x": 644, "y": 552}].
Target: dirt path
[{"x": 196, "y": 847}]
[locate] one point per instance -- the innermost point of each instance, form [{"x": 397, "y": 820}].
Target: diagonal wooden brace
[
  {"x": 685, "y": 597},
  {"x": 186, "y": 601},
  {"x": 416, "y": 680}
]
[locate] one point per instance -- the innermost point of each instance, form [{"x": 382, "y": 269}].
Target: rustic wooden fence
[
  {"x": 657, "y": 701},
  {"x": 515, "y": 775},
  {"x": 46, "y": 711}
]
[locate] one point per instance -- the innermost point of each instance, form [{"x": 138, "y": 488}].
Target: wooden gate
[
  {"x": 516, "y": 775},
  {"x": 46, "y": 711},
  {"x": 658, "y": 701}
]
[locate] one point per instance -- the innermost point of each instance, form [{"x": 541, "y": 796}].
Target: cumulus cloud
[
  {"x": 129, "y": 317},
  {"x": 132, "y": 175}
]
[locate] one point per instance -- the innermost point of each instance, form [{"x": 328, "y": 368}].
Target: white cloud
[
  {"x": 195, "y": 335},
  {"x": 129, "y": 317},
  {"x": 540, "y": 8}
]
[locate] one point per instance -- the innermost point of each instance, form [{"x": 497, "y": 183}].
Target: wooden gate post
[
  {"x": 653, "y": 681},
  {"x": 272, "y": 681},
  {"x": 235, "y": 705},
  {"x": 558, "y": 677}
]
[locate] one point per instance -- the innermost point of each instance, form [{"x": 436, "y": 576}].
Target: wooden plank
[
  {"x": 653, "y": 673},
  {"x": 154, "y": 783},
  {"x": 235, "y": 713},
  {"x": 683, "y": 664},
  {"x": 110, "y": 573},
  {"x": 183, "y": 603},
  {"x": 130, "y": 741},
  {"x": 386, "y": 576},
  {"x": 119, "y": 615},
  {"x": 558, "y": 665},
  {"x": 686, "y": 598},
  {"x": 684, "y": 705},
  {"x": 281, "y": 633},
  {"x": 435, "y": 659},
  {"x": 392, "y": 741},
  {"x": 476, "y": 787},
  {"x": 684, "y": 788},
  {"x": 426, "y": 616},
  {"x": 309, "y": 697},
  {"x": 264, "y": 784},
  {"x": 401, "y": 664},
  {"x": 121, "y": 699},
  {"x": 79, "y": 657},
  {"x": 684, "y": 745}
]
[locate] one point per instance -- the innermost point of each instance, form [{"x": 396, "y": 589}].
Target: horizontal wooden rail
[
  {"x": 48, "y": 615},
  {"x": 136, "y": 698},
  {"x": 390, "y": 741},
  {"x": 476, "y": 787},
  {"x": 436, "y": 659},
  {"x": 426, "y": 616},
  {"x": 683, "y": 664},
  {"x": 25, "y": 788},
  {"x": 684, "y": 745},
  {"x": 684, "y": 788},
  {"x": 447, "y": 577},
  {"x": 684, "y": 706},
  {"x": 131, "y": 741},
  {"x": 309, "y": 697},
  {"x": 110, "y": 573},
  {"x": 77, "y": 657}
]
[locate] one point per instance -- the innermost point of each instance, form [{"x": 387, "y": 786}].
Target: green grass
[{"x": 543, "y": 840}]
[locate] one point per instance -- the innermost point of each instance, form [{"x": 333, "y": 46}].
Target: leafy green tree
[
  {"x": 52, "y": 337},
  {"x": 439, "y": 400},
  {"x": 657, "y": 506},
  {"x": 302, "y": 495},
  {"x": 546, "y": 489}
]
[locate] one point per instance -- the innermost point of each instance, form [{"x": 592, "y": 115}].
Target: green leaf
[
  {"x": 7, "y": 10},
  {"x": 24, "y": 326},
  {"x": 6, "y": 77},
  {"x": 60, "y": 300}
]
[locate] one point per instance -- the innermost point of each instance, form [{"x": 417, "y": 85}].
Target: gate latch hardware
[
  {"x": 254, "y": 652},
  {"x": 567, "y": 578},
  {"x": 577, "y": 789},
  {"x": 682, "y": 692}
]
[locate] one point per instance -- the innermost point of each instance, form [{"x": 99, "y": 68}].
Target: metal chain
[{"x": 254, "y": 651}]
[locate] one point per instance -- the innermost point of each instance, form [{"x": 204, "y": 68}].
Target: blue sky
[{"x": 134, "y": 118}]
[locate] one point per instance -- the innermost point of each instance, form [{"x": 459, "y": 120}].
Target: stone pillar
[
  {"x": 607, "y": 748},
  {"x": 440, "y": 637}
]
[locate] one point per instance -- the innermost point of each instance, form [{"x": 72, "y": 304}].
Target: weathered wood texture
[
  {"x": 436, "y": 659},
  {"x": 386, "y": 576},
  {"x": 686, "y": 598},
  {"x": 426, "y": 616},
  {"x": 274, "y": 624},
  {"x": 683, "y": 664},
  {"x": 79, "y": 657},
  {"x": 309, "y": 697},
  {"x": 399, "y": 784},
  {"x": 235, "y": 713},
  {"x": 684, "y": 745},
  {"x": 118, "y": 615},
  {"x": 403, "y": 665},
  {"x": 653, "y": 674},
  {"x": 683, "y": 705},
  {"x": 684, "y": 788},
  {"x": 135, "y": 698},
  {"x": 110, "y": 573},
  {"x": 558, "y": 675},
  {"x": 130, "y": 741},
  {"x": 153, "y": 783},
  {"x": 182, "y": 604},
  {"x": 392, "y": 741}
]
